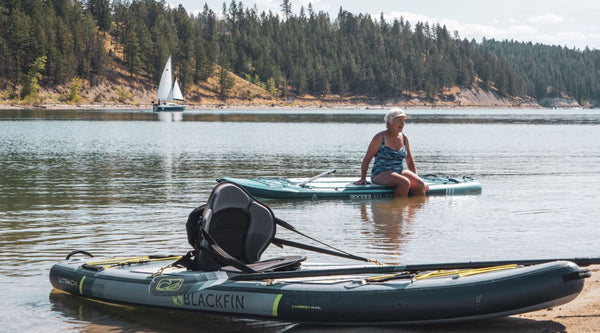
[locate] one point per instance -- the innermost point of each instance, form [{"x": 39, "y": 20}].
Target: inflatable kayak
[
  {"x": 398, "y": 295},
  {"x": 225, "y": 275},
  {"x": 344, "y": 188}
]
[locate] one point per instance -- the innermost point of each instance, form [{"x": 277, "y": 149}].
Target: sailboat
[{"x": 168, "y": 91}]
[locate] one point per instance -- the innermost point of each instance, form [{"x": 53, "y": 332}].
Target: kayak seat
[{"x": 231, "y": 224}]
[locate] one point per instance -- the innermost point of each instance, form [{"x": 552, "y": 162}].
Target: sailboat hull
[{"x": 168, "y": 107}]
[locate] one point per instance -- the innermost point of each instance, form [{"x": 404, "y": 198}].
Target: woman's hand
[{"x": 361, "y": 182}]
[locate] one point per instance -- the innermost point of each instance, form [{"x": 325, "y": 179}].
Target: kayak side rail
[{"x": 405, "y": 268}]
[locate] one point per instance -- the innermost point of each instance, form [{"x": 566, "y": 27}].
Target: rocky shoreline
[{"x": 453, "y": 98}]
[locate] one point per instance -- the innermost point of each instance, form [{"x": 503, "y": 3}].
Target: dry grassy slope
[
  {"x": 138, "y": 90},
  {"x": 243, "y": 92},
  {"x": 204, "y": 93}
]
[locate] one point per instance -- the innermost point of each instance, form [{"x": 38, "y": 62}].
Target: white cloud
[
  {"x": 521, "y": 29},
  {"x": 468, "y": 30},
  {"x": 410, "y": 17},
  {"x": 267, "y": 4},
  {"x": 546, "y": 19},
  {"x": 571, "y": 35}
]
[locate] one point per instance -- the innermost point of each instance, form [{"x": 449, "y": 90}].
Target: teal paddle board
[{"x": 344, "y": 188}]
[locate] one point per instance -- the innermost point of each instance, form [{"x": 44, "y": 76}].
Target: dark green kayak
[
  {"x": 392, "y": 297},
  {"x": 344, "y": 188}
]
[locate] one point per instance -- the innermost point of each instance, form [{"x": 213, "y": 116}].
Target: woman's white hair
[{"x": 393, "y": 113}]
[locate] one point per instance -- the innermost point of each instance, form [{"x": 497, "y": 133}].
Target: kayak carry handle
[{"x": 72, "y": 253}]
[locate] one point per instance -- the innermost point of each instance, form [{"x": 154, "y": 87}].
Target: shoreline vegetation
[
  {"x": 139, "y": 93},
  {"x": 110, "y": 97}
]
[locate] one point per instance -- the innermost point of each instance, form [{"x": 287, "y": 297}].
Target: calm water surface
[{"x": 123, "y": 182}]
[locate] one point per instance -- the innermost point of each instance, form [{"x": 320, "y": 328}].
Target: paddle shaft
[
  {"x": 404, "y": 268},
  {"x": 317, "y": 176}
]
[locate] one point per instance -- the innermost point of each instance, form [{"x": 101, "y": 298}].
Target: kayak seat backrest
[{"x": 240, "y": 225}]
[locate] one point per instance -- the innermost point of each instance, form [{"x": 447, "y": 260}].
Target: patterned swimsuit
[{"x": 388, "y": 159}]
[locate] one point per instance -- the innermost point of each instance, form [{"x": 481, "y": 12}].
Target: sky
[{"x": 570, "y": 23}]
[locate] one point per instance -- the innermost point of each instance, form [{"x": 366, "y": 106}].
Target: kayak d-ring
[{"x": 77, "y": 252}]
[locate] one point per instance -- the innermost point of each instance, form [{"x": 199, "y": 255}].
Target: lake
[{"x": 123, "y": 182}]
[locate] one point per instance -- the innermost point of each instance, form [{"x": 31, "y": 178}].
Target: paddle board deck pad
[
  {"x": 344, "y": 188},
  {"x": 401, "y": 297}
]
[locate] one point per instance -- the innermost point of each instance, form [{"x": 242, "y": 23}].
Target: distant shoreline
[{"x": 242, "y": 106}]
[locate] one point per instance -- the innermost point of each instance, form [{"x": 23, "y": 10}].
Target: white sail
[
  {"x": 165, "y": 85},
  {"x": 177, "y": 95},
  {"x": 168, "y": 91}
]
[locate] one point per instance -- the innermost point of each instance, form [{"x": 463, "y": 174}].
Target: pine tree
[
  {"x": 101, "y": 11},
  {"x": 31, "y": 86}
]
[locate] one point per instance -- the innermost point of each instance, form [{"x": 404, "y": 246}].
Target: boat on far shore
[{"x": 168, "y": 91}]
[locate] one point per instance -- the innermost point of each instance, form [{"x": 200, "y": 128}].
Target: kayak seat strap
[{"x": 232, "y": 264}]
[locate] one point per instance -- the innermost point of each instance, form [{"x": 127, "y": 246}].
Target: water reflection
[
  {"x": 391, "y": 220},
  {"x": 362, "y": 116},
  {"x": 170, "y": 116}
]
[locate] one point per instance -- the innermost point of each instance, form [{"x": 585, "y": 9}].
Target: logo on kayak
[
  {"x": 68, "y": 282},
  {"x": 370, "y": 196},
  {"x": 178, "y": 300},
  {"x": 169, "y": 284},
  {"x": 305, "y": 307},
  {"x": 211, "y": 300}
]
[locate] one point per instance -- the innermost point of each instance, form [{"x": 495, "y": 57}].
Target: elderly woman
[{"x": 390, "y": 148}]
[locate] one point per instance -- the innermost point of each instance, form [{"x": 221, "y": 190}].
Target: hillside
[
  {"x": 107, "y": 54},
  {"x": 125, "y": 91}
]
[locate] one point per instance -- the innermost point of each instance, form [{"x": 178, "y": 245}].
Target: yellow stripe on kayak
[
  {"x": 111, "y": 262},
  {"x": 116, "y": 260},
  {"x": 464, "y": 272},
  {"x": 276, "y": 304},
  {"x": 81, "y": 285}
]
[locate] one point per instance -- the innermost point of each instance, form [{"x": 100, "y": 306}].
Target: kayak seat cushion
[{"x": 240, "y": 225}]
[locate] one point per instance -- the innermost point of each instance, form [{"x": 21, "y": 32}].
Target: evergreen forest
[{"x": 293, "y": 51}]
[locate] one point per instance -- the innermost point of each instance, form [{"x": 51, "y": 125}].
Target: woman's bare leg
[
  {"x": 398, "y": 182},
  {"x": 417, "y": 185}
]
